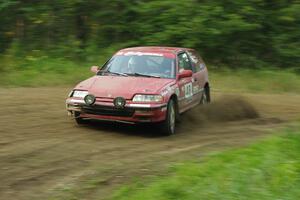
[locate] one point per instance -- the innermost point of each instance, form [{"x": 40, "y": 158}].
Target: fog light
[
  {"x": 119, "y": 102},
  {"x": 89, "y": 99}
]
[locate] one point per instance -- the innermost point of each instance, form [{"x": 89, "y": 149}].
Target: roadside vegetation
[
  {"x": 41, "y": 35},
  {"x": 236, "y": 33},
  {"x": 37, "y": 72},
  {"x": 48, "y": 43},
  {"x": 266, "y": 170}
]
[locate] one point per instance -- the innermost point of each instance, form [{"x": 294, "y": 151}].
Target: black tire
[
  {"x": 178, "y": 115},
  {"x": 206, "y": 95},
  {"x": 79, "y": 120},
  {"x": 168, "y": 126}
]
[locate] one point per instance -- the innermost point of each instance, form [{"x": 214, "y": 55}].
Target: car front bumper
[{"x": 131, "y": 113}]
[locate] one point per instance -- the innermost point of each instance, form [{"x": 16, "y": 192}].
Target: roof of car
[{"x": 156, "y": 49}]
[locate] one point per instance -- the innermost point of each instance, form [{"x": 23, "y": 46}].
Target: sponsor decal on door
[{"x": 188, "y": 90}]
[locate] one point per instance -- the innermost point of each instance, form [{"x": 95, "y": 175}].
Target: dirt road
[{"x": 44, "y": 155}]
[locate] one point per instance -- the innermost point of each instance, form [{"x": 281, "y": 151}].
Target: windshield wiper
[
  {"x": 115, "y": 73},
  {"x": 144, "y": 75}
]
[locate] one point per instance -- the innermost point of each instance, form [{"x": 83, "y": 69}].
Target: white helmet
[{"x": 135, "y": 64}]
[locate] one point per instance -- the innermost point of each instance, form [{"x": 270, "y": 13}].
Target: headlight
[
  {"x": 81, "y": 94},
  {"x": 147, "y": 98}
]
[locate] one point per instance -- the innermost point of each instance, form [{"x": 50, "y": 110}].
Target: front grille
[{"x": 108, "y": 111}]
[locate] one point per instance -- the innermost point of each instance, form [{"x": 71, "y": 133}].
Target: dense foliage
[{"x": 250, "y": 33}]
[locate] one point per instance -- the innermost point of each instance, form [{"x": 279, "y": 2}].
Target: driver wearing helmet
[{"x": 136, "y": 64}]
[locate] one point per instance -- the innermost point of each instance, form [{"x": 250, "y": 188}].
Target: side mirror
[
  {"x": 95, "y": 69},
  {"x": 185, "y": 74}
]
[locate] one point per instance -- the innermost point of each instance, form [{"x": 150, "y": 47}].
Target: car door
[
  {"x": 198, "y": 67},
  {"x": 185, "y": 84}
]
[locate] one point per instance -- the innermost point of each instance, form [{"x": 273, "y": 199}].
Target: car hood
[{"x": 120, "y": 86}]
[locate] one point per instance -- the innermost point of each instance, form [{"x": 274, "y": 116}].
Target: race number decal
[{"x": 188, "y": 90}]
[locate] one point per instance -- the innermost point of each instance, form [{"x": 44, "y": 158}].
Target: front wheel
[
  {"x": 79, "y": 120},
  {"x": 168, "y": 126}
]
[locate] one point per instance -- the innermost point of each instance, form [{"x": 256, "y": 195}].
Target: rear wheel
[
  {"x": 206, "y": 95},
  {"x": 168, "y": 126}
]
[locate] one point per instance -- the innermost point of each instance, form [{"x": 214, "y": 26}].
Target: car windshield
[{"x": 141, "y": 65}]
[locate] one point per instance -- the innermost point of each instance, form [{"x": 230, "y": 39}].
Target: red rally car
[{"x": 142, "y": 84}]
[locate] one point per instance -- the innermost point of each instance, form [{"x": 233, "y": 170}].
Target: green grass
[
  {"x": 41, "y": 70},
  {"x": 267, "y": 170},
  {"x": 256, "y": 80}
]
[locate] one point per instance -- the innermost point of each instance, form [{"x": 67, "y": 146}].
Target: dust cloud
[{"x": 224, "y": 109}]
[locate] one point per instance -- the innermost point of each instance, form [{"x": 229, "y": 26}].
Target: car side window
[
  {"x": 196, "y": 60},
  {"x": 184, "y": 62}
]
